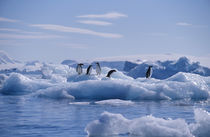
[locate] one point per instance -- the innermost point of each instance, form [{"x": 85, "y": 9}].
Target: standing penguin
[
  {"x": 110, "y": 72},
  {"x": 149, "y": 72},
  {"x": 79, "y": 68},
  {"x": 89, "y": 70},
  {"x": 98, "y": 68}
]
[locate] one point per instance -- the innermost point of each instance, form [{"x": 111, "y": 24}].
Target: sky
[{"x": 54, "y": 30}]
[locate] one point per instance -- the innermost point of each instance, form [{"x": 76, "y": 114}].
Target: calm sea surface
[{"x": 26, "y": 116}]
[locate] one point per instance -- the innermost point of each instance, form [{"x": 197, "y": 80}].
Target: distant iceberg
[
  {"x": 166, "y": 69},
  {"x": 161, "y": 69},
  {"x": 5, "y": 59}
]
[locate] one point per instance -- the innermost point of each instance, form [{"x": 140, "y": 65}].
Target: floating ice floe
[
  {"x": 18, "y": 84},
  {"x": 180, "y": 86},
  {"x": 111, "y": 102},
  {"x": 110, "y": 124},
  {"x": 114, "y": 102},
  {"x": 80, "y": 103},
  {"x": 55, "y": 94}
]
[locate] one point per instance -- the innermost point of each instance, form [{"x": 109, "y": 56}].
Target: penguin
[
  {"x": 149, "y": 72},
  {"x": 79, "y": 68},
  {"x": 89, "y": 70},
  {"x": 110, "y": 72},
  {"x": 98, "y": 68}
]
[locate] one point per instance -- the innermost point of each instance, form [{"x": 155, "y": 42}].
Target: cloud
[
  {"x": 75, "y": 46},
  {"x": 110, "y": 15},
  {"x": 7, "y": 20},
  {"x": 75, "y": 30},
  {"x": 11, "y": 43},
  {"x": 20, "y": 36},
  {"x": 18, "y": 31},
  {"x": 157, "y": 34},
  {"x": 95, "y": 22},
  {"x": 183, "y": 24},
  {"x": 9, "y": 29}
]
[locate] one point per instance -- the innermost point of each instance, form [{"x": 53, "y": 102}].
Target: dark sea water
[{"x": 26, "y": 116}]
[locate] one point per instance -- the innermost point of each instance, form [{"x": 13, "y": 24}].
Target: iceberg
[
  {"x": 201, "y": 127},
  {"x": 18, "y": 84},
  {"x": 161, "y": 69},
  {"x": 93, "y": 87},
  {"x": 193, "y": 87},
  {"x": 5, "y": 59},
  {"x": 171, "y": 80},
  {"x": 166, "y": 69},
  {"x": 110, "y": 124}
]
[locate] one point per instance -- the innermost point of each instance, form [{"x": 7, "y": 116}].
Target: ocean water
[{"x": 29, "y": 116}]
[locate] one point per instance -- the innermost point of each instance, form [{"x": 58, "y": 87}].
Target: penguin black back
[
  {"x": 110, "y": 72},
  {"x": 89, "y": 70},
  {"x": 149, "y": 72}
]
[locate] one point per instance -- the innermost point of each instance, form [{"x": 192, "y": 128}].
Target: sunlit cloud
[
  {"x": 183, "y": 24},
  {"x": 7, "y": 20},
  {"x": 110, "y": 15},
  {"x": 75, "y": 46},
  {"x": 10, "y": 30},
  {"x": 20, "y": 36},
  {"x": 157, "y": 34},
  {"x": 95, "y": 22},
  {"x": 75, "y": 30},
  {"x": 18, "y": 31},
  {"x": 11, "y": 42}
]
